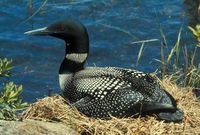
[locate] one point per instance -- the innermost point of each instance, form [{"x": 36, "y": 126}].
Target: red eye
[{"x": 62, "y": 27}]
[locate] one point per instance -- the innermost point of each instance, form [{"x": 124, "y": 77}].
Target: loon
[{"x": 102, "y": 92}]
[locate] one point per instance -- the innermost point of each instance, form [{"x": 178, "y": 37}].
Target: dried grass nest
[{"x": 55, "y": 109}]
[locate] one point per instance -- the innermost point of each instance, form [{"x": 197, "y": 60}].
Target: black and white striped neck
[
  {"x": 73, "y": 62},
  {"x": 76, "y": 52}
]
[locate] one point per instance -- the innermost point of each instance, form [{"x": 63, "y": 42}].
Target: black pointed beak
[{"x": 39, "y": 32}]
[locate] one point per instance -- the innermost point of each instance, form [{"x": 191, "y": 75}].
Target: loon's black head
[
  {"x": 77, "y": 42},
  {"x": 71, "y": 31}
]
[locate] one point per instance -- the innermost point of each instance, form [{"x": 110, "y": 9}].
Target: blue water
[{"x": 37, "y": 59}]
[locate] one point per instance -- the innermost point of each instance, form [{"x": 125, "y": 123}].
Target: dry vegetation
[{"x": 55, "y": 109}]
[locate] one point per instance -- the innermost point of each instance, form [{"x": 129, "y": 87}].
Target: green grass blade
[
  {"x": 193, "y": 31},
  {"x": 145, "y": 41},
  {"x": 163, "y": 63},
  {"x": 193, "y": 56},
  {"x": 37, "y": 11},
  {"x": 163, "y": 37},
  {"x": 140, "y": 53},
  {"x": 175, "y": 49},
  {"x": 119, "y": 29},
  {"x": 177, "y": 45},
  {"x": 170, "y": 55},
  {"x": 185, "y": 53}
]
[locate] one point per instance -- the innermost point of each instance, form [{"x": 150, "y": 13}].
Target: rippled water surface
[{"x": 112, "y": 26}]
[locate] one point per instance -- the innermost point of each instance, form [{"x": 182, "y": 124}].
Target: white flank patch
[{"x": 64, "y": 79}]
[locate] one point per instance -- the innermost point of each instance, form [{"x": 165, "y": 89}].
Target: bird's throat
[{"x": 73, "y": 62}]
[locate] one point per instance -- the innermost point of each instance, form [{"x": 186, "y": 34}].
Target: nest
[{"x": 56, "y": 109}]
